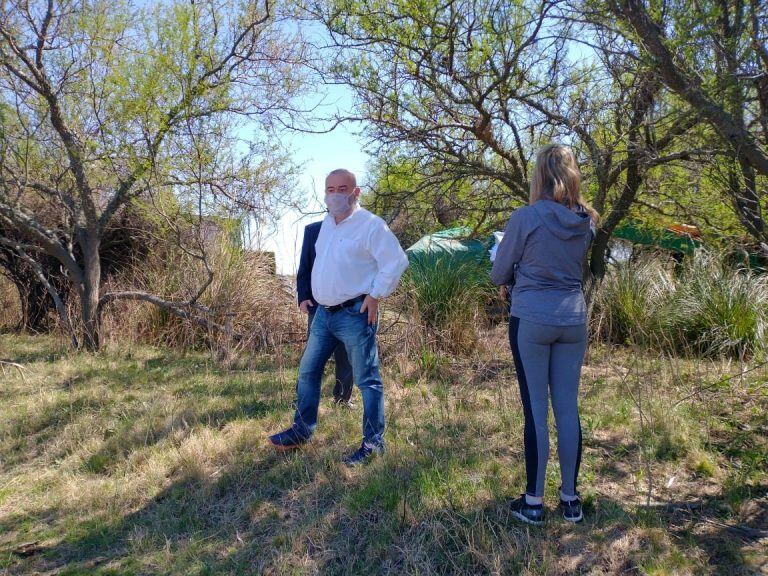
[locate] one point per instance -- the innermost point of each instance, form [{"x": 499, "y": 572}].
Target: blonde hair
[{"x": 556, "y": 176}]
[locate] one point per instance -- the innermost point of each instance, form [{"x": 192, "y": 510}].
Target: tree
[
  {"x": 463, "y": 93},
  {"x": 713, "y": 56},
  {"x": 414, "y": 202},
  {"x": 624, "y": 122},
  {"x": 105, "y": 103},
  {"x": 440, "y": 83}
]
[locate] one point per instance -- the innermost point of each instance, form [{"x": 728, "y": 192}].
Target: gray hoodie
[{"x": 543, "y": 253}]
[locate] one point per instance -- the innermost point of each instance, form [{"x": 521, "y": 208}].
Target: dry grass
[
  {"x": 143, "y": 461},
  {"x": 256, "y": 306},
  {"x": 10, "y": 307}
]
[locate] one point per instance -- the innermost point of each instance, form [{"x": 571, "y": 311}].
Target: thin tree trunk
[
  {"x": 89, "y": 293},
  {"x": 36, "y": 305}
]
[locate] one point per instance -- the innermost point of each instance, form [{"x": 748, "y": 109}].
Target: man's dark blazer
[{"x": 307, "y": 260}]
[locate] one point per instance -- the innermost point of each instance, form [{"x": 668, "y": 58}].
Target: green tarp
[
  {"x": 455, "y": 247},
  {"x": 452, "y": 246},
  {"x": 638, "y": 233}
]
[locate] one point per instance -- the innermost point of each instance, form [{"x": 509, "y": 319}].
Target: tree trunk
[
  {"x": 33, "y": 297},
  {"x": 89, "y": 293},
  {"x": 599, "y": 253},
  {"x": 36, "y": 304}
]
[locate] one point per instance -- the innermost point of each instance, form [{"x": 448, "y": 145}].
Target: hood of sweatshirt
[{"x": 562, "y": 221}]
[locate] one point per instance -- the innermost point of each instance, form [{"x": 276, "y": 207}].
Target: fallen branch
[
  {"x": 27, "y": 549},
  {"x": 180, "y": 309},
  {"x": 718, "y": 383},
  {"x": 695, "y": 511},
  {"x": 19, "y": 368}
]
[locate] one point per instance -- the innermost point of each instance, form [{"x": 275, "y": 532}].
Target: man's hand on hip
[
  {"x": 370, "y": 304},
  {"x": 305, "y": 306}
]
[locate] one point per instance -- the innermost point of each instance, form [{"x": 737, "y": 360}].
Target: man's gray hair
[{"x": 346, "y": 172}]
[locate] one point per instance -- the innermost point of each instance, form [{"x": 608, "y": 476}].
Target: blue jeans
[
  {"x": 351, "y": 328},
  {"x": 342, "y": 389}
]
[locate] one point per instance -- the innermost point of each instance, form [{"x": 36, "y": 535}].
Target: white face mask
[{"x": 339, "y": 203}]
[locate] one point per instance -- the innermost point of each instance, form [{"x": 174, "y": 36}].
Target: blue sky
[
  {"x": 316, "y": 154},
  {"x": 319, "y": 155}
]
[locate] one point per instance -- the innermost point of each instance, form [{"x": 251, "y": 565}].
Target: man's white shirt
[{"x": 359, "y": 255}]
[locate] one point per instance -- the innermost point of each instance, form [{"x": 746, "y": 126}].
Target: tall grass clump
[
  {"x": 445, "y": 296},
  {"x": 719, "y": 309},
  {"x": 705, "y": 306},
  {"x": 630, "y": 303}
]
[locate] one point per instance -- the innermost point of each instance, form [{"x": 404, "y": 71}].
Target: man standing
[
  {"x": 359, "y": 261},
  {"x": 342, "y": 389}
]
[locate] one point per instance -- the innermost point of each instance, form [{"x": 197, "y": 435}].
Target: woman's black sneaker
[
  {"x": 572, "y": 509},
  {"x": 528, "y": 513}
]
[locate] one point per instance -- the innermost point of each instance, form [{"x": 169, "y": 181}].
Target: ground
[{"x": 147, "y": 461}]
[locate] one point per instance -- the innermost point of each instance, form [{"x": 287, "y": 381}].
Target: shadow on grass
[
  {"x": 233, "y": 522},
  {"x": 148, "y": 432},
  {"x": 242, "y": 403},
  {"x": 31, "y": 356},
  {"x": 421, "y": 509},
  {"x": 302, "y": 512},
  {"x": 710, "y": 523},
  {"x": 613, "y": 455}
]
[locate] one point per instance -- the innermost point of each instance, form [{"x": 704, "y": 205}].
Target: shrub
[
  {"x": 630, "y": 302},
  {"x": 445, "y": 297},
  {"x": 719, "y": 309}
]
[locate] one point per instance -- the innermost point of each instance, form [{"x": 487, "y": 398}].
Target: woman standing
[{"x": 542, "y": 253}]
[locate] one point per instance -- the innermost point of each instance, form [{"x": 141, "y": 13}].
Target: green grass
[{"x": 147, "y": 461}]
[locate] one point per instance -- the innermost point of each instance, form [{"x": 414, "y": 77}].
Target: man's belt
[{"x": 345, "y": 304}]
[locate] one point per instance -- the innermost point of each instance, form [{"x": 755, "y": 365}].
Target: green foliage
[
  {"x": 630, "y": 299},
  {"x": 441, "y": 86},
  {"x": 715, "y": 53},
  {"x": 412, "y": 197},
  {"x": 691, "y": 193},
  {"x": 458, "y": 96},
  {"x": 720, "y": 309}
]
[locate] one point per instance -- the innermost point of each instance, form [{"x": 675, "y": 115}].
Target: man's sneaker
[
  {"x": 529, "y": 513},
  {"x": 288, "y": 439},
  {"x": 363, "y": 454},
  {"x": 572, "y": 509}
]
